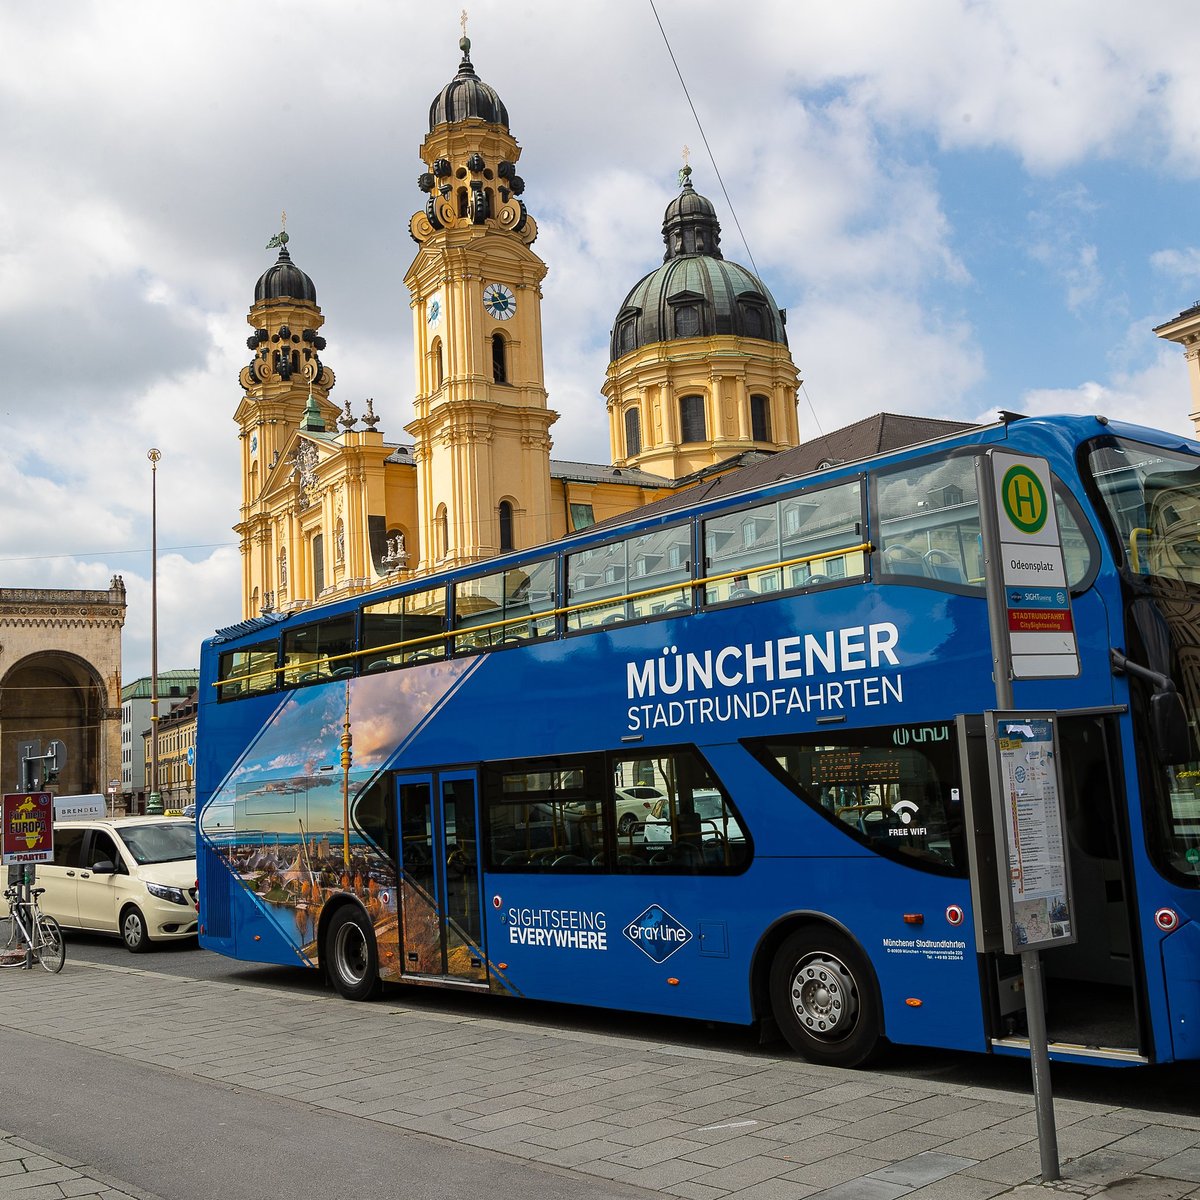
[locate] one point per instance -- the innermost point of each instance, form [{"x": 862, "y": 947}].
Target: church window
[
  {"x": 506, "y": 525},
  {"x": 627, "y": 336},
  {"x": 318, "y": 563},
  {"x": 633, "y": 432},
  {"x": 582, "y": 516},
  {"x": 439, "y": 367},
  {"x": 499, "y": 358},
  {"x": 687, "y": 320},
  {"x": 691, "y": 419},
  {"x": 760, "y": 418}
]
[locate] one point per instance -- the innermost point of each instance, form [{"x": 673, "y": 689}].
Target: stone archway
[{"x": 60, "y": 679}]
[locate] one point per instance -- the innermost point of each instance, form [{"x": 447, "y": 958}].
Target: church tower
[
  {"x": 699, "y": 368},
  {"x": 286, "y": 387},
  {"x": 481, "y": 426}
]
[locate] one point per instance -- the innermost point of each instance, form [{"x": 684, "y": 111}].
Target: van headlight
[{"x": 174, "y": 894}]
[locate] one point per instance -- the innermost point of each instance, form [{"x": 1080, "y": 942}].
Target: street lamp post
[{"x": 154, "y": 803}]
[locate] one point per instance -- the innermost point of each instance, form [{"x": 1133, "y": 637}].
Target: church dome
[
  {"x": 284, "y": 280},
  {"x": 466, "y": 95},
  {"x": 696, "y": 292}
]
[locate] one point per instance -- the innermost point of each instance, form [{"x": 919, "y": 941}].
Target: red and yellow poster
[{"x": 28, "y": 828}]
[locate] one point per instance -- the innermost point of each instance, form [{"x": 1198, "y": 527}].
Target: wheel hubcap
[
  {"x": 824, "y": 996},
  {"x": 350, "y": 953}
]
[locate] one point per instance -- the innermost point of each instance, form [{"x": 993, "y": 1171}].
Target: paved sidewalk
[{"x": 693, "y": 1123}]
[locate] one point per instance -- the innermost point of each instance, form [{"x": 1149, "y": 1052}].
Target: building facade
[
  {"x": 701, "y": 381},
  {"x": 136, "y": 709},
  {"x": 176, "y": 752},
  {"x": 60, "y": 681}
]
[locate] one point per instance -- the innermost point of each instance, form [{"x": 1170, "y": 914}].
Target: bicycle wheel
[{"x": 50, "y": 950}]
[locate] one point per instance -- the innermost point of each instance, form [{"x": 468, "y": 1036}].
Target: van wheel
[
  {"x": 350, "y": 955},
  {"x": 133, "y": 931},
  {"x": 823, "y": 998}
]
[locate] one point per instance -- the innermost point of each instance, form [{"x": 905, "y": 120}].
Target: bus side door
[{"x": 441, "y": 922}]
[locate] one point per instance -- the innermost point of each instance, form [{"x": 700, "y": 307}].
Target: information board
[
  {"x": 28, "y": 833},
  {"x": 1026, "y": 573},
  {"x": 1035, "y": 885}
]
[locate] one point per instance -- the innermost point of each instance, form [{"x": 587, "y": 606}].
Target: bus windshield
[{"x": 1151, "y": 500}]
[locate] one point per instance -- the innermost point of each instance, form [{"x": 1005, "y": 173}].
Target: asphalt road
[{"x": 1169, "y": 1088}]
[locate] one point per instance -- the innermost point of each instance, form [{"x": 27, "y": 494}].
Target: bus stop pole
[{"x": 1031, "y": 962}]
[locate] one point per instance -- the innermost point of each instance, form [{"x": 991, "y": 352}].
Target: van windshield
[{"x": 160, "y": 841}]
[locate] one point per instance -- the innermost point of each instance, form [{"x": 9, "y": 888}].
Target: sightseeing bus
[{"x": 712, "y": 762}]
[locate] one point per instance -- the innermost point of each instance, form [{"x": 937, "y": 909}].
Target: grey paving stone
[
  {"x": 827, "y": 1172},
  {"x": 773, "y": 1189},
  {"x": 652, "y": 1153},
  {"x": 1185, "y": 1165},
  {"x": 1158, "y": 1141},
  {"x": 743, "y": 1174},
  {"x": 863, "y": 1189},
  {"x": 923, "y": 1168}
]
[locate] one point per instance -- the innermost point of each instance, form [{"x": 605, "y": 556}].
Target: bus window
[
  {"x": 543, "y": 817},
  {"x": 248, "y": 671},
  {"x": 929, "y": 523},
  {"x": 801, "y": 542},
  {"x": 660, "y": 571},
  {"x": 504, "y": 608},
  {"x": 672, "y": 815},
  {"x": 596, "y": 587},
  {"x": 404, "y": 629},
  {"x": 895, "y": 788},
  {"x": 321, "y": 651}
]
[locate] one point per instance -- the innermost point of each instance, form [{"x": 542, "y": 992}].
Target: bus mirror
[{"x": 1168, "y": 719}]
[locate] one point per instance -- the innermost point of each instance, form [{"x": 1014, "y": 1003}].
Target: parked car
[
  {"x": 132, "y": 876},
  {"x": 634, "y": 804},
  {"x": 189, "y": 810},
  {"x": 716, "y": 822}
]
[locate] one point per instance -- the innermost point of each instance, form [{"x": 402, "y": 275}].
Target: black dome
[
  {"x": 466, "y": 95},
  {"x": 696, "y": 292},
  {"x": 284, "y": 280}
]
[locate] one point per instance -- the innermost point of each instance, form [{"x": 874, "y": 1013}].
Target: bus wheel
[
  {"x": 350, "y": 955},
  {"x": 823, "y": 998}
]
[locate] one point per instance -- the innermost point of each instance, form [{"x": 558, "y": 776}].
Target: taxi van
[{"x": 132, "y": 876}]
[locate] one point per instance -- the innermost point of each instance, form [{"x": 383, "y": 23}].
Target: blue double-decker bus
[{"x": 714, "y": 762}]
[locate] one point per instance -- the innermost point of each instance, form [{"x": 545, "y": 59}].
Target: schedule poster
[{"x": 1030, "y": 832}]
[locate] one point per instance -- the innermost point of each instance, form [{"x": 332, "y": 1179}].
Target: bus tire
[
  {"x": 350, "y": 955},
  {"x": 823, "y": 998}
]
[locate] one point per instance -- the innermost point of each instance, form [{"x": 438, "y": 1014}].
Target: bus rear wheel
[
  {"x": 350, "y": 954},
  {"x": 823, "y": 998}
]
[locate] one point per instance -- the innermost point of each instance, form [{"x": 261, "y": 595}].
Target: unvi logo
[{"x": 657, "y": 934}]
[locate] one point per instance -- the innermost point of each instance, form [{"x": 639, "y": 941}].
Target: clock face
[
  {"x": 499, "y": 301},
  {"x": 433, "y": 314}
]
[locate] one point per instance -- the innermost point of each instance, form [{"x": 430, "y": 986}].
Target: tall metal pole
[{"x": 154, "y": 804}]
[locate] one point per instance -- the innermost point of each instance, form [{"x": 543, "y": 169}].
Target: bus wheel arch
[
  {"x": 348, "y": 950},
  {"x": 816, "y": 983}
]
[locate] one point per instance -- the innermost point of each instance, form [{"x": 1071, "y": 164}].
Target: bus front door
[{"x": 440, "y": 919}]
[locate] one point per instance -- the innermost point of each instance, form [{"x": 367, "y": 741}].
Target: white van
[{"x": 132, "y": 876}]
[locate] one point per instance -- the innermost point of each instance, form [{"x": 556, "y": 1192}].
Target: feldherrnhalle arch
[{"x": 60, "y": 678}]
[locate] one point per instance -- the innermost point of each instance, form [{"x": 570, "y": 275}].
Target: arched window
[
  {"x": 691, "y": 419},
  {"x": 627, "y": 335},
  {"x": 506, "y": 525},
  {"x": 760, "y": 418},
  {"x": 633, "y": 432},
  {"x": 439, "y": 367},
  {"x": 752, "y": 320},
  {"x": 441, "y": 532},
  {"x": 499, "y": 358}
]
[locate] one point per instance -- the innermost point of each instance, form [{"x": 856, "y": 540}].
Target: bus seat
[
  {"x": 742, "y": 593},
  {"x": 941, "y": 564},
  {"x": 380, "y": 664},
  {"x": 900, "y": 560},
  {"x": 343, "y": 672}
]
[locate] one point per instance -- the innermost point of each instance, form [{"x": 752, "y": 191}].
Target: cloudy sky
[{"x": 963, "y": 206}]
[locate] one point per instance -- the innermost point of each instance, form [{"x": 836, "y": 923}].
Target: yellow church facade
[{"x": 700, "y": 381}]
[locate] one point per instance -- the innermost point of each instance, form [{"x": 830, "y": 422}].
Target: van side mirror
[{"x": 103, "y": 867}]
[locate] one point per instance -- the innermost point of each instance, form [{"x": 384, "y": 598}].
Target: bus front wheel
[
  {"x": 823, "y": 998},
  {"x": 351, "y": 957}
]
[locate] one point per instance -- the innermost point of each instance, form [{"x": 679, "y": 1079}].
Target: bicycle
[{"x": 33, "y": 936}]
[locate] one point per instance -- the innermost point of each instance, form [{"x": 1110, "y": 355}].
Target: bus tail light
[
  {"x": 955, "y": 914},
  {"x": 672, "y": 981},
  {"x": 913, "y": 1002},
  {"x": 1167, "y": 919}
]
